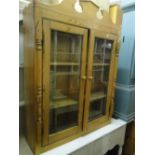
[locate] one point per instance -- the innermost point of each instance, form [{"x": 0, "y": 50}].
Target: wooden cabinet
[{"x": 70, "y": 71}]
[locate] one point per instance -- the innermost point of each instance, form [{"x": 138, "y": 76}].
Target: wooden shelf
[
  {"x": 58, "y": 96},
  {"x": 96, "y": 96},
  {"x": 59, "y": 128},
  {"x": 65, "y": 64},
  {"x": 62, "y": 103},
  {"x": 66, "y": 73},
  {"x": 98, "y": 53},
  {"x": 68, "y": 53},
  {"x": 101, "y": 64},
  {"x": 94, "y": 114}
]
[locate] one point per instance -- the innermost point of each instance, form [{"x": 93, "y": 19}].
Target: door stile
[
  {"x": 46, "y": 84},
  {"x": 88, "y": 80}
]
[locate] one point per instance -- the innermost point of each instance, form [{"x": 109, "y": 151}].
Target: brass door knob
[
  {"x": 83, "y": 77},
  {"x": 90, "y": 77}
]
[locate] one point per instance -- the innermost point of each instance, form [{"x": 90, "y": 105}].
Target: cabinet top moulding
[{"x": 65, "y": 12}]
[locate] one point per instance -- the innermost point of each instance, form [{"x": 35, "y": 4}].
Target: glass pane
[
  {"x": 99, "y": 85},
  {"x": 65, "y": 80}
]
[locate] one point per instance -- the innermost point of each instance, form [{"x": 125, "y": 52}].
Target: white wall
[
  {"x": 123, "y": 3},
  {"x": 105, "y": 3},
  {"x": 127, "y": 2}
]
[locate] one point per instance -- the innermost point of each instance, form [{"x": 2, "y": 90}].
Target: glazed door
[
  {"x": 99, "y": 79},
  {"x": 64, "y": 65}
]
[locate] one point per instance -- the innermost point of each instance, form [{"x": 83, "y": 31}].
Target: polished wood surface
[
  {"x": 39, "y": 20},
  {"x": 29, "y": 85},
  {"x": 63, "y": 103}
]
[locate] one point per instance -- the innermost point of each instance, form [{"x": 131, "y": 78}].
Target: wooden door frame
[
  {"x": 49, "y": 25},
  {"x": 94, "y": 124}
]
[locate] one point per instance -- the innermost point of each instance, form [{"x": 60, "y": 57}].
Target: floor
[{"x": 129, "y": 144}]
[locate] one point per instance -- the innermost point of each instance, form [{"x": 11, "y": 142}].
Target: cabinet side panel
[{"x": 29, "y": 91}]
